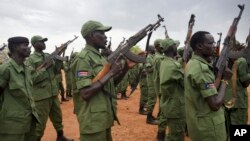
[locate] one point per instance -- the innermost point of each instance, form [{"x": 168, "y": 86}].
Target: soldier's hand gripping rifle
[
  {"x": 124, "y": 49},
  {"x": 2, "y": 48},
  {"x": 186, "y": 53},
  {"x": 222, "y": 60},
  {"x": 56, "y": 54}
]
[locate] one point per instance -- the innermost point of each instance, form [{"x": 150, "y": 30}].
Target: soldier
[
  {"x": 68, "y": 75},
  {"x": 60, "y": 86},
  {"x": 45, "y": 89},
  {"x": 122, "y": 87},
  {"x": 144, "y": 89},
  {"x": 18, "y": 115},
  {"x": 236, "y": 99},
  {"x": 151, "y": 89},
  {"x": 203, "y": 103},
  {"x": 172, "y": 91},
  {"x": 94, "y": 102}
]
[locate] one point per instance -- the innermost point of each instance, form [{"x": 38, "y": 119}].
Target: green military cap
[
  {"x": 18, "y": 40},
  {"x": 177, "y": 42},
  {"x": 91, "y": 26},
  {"x": 38, "y": 38},
  {"x": 166, "y": 43},
  {"x": 157, "y": 41},
  {"x": 180, "y": 51},
  {"x": 136, "y": 49}
]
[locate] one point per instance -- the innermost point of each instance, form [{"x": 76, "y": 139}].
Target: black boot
[
  {"x": 142, "y": 111},
  {"x": 61, "y": 137},
  {"x": 160, "y": 136},
  {"x": 151, "y": 120}
]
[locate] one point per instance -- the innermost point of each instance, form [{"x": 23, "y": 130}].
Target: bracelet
[{"x": 225, "y": 81}]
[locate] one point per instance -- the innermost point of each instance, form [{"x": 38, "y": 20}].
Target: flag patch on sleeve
[
  {"x": 82, "y": 73},
  {"x": 209, "y": 85}
]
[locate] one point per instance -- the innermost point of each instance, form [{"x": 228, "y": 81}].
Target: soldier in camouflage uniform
[
  {"x": 203, "y": 103},
  {"x": 18, "y": 116},
  {"x": 172, "y": 90},
  {"x": 94, "y": 102},
  {"x": 68, "y": 76},
  {"x": 236, "y": 92},
  {"x": 45, "y": 89},
  {"x": 151, "y": 89}
]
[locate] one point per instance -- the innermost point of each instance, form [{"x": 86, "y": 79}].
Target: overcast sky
[{"x": 59, "y": 20}]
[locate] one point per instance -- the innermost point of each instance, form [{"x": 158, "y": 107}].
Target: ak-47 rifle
[
  {"x": 2, "y": 48},
  {"x": 124, "y": 49},
  {"x": 222, "y": 60},
  {"x": 135, "y": 83},
  {"x": 186, "y": 52},
  {"x": 107, "y": 51},
  {"x": 217, "y": 50},
  {"x": 56, "y": 54},
  {"x": 166, "y": 32}
]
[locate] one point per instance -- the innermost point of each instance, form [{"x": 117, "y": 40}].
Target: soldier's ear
[{"x": 199, "y": 46}]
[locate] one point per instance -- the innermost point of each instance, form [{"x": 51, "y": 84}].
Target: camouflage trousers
[{"x": 99, "y": 136}]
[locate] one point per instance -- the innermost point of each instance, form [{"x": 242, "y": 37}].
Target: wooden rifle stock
[
  {"x": 123, "y": 49},
  {"x": 187, "y": 41}
]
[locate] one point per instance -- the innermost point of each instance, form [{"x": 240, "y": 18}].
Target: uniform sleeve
[
  {"x": 4, "y": 75},
  {"x": 37, "y": 75},
  {"x": 83, "y": 73},
  {"x": 243, "y": 73},
  {"x": 204, "y": 82},
  {"x": 170, "y": 74}
]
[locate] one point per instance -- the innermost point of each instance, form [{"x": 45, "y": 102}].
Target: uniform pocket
[{"x": 16, "y": 89}]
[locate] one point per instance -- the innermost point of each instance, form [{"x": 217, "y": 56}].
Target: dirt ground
[{"x": 133, "y": 126}]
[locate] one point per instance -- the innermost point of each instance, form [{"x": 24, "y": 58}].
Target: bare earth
[{"x": 133, "y": 126}]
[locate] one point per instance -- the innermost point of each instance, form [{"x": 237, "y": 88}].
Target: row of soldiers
[
  {"x": 29, "y": 96},
  {"x": 29, "y": 91}
]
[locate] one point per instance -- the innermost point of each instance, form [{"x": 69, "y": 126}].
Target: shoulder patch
[{"x": 82, "y": 73}]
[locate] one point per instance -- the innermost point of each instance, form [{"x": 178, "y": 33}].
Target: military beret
[
  {"x": 91, "y": 26},
  {"x": 37, "y": 38},
  {"x": 166, "y": 43},
  {"x": 157, "y": 41},
  {"x": 18, "y": 40}
]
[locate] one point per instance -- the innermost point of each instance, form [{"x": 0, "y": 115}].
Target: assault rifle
[
  {"x": 107, "y": 51},
  {"x": 56, "y": 54},
  {"x": 186, "y": 53},
  {"x": 124, "y": 49},
  {"x": 222, "y": 60},
  {"x": 166, "y": 32},
  {"x": 2, "y": 48}
]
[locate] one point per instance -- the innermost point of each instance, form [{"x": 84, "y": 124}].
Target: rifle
[
  {"x": 217, "y": 50},
  {"x": 135, "y": 83},
  {"x": 166, "y": 32},
  {"x": 124, "y": 49},
  {"x": 2, "y": 48},
  {"x": 56, "y": 54},
  {"x": 107, "y": 51},
  {"x": 186, "y": 52},
  {"x": 222, "y": 60}
]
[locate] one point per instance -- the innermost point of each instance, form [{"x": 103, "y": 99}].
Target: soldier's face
[
  {"x": 100, "y": 39},
  {"x": 40, "y": 45},
  {"x": 208, "y": 45},
  {"x": 23, "y": 50}
]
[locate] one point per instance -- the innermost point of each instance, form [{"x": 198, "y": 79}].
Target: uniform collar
[
  {"x": 19, "y": 68},
  {"x": 92, "y": 49},
  {"x": 38, "y": 54},
  {"x": 194, "y": 56}
]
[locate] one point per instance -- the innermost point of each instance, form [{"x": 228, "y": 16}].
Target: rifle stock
[
  {"x": 187, "y": 41},
  {"x": 123, "y": 49},
  {"x": 58, "y": 51},
  {"x": 222, "y": 60}
]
